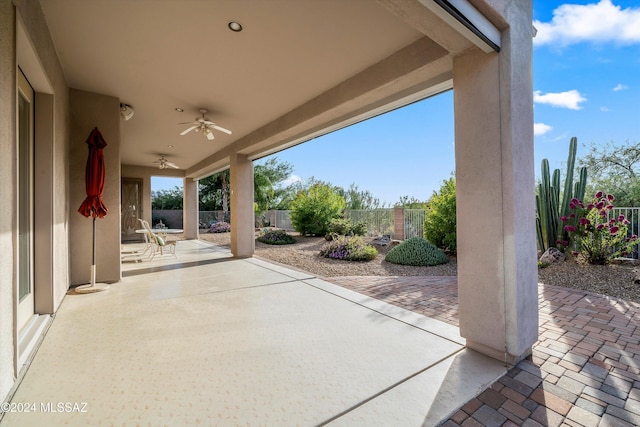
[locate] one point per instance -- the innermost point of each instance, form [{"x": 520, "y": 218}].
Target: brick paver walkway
[{"x": 584, "y": 370}]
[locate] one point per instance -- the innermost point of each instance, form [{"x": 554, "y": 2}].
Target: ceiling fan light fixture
[{"x": 204, "y": 125}]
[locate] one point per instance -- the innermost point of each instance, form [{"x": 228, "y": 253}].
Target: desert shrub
[
  {"x": 350, "y": 248},
  {"x": 359, "y": 228},
  {"x": 312, "y": 210},
  {"x": 440, "y": 218},
  {"x": 345, "y": 227},
  {"x": 276, "y": 237},
  {"x": 598, "y": 239},
  {"x": 416, "y": 251},
  {"x": 220, "y": 227}
]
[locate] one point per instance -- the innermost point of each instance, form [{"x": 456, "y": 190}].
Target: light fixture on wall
[{"x": 126, "y": 111}]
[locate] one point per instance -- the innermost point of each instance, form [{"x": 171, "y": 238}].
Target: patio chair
[{"x": 157, "y": 243}]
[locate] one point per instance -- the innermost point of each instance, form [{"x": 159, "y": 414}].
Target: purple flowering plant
[
  {"x": 597, "y": 238},
  {"x": 220, "y": 227},
  {"x": 276, "y": 237},
  {"x": 349, "y": 248}
]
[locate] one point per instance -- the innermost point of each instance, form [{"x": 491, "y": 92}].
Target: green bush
[
  {"x": 359, "y": 228},
  {"x": 276, "y": 237},
  {"x": 350, "y": 248},
  {"x": 345, "y": 227},
  {"x": 312, "y": 210},
  {"x": 416, "y": 251},
  {"x": 440, "y": 218}
]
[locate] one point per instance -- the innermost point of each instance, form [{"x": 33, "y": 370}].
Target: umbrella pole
[{"x": 93, "y": 286}]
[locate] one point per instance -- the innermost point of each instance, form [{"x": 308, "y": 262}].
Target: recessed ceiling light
[
  {"x": 179, "y": 110},
  {"x": 235, "y": 26},
  {"x": 170, "y": 146}
]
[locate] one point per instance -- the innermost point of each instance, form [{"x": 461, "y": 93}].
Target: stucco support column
[
  {"x": 497, "y": 272},
  {"x": 190, "y": 213},
  {"x": 242, "y": 217}
]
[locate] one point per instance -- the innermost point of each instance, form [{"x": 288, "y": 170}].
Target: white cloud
[
  {"x": 620, "y": 87},
  {"x": 595, "y": 22},
  {"x": 570, "y": 99},
  {"x": 541, "y": 128},
  {"x": 605, "y": 109},
  {"x": 291, "y": 180}
]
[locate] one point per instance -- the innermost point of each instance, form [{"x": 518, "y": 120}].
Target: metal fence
[
  {"x": 414, "y": 223},
  {"x": 633, "y": 216},
  {"x": 379, "y": 221}
]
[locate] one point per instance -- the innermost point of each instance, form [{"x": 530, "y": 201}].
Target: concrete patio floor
[{"x": 206, "y": 339}]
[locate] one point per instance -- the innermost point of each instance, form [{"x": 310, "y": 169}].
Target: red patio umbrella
[{"x": 93, "y": 205}]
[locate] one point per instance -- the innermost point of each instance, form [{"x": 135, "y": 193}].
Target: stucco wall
[
  {"x": 87, "y": 111},
  {"x": 51, "y": 199},
  {"x": 7, "y": 201},
  {"x": 51, "y": 162}
]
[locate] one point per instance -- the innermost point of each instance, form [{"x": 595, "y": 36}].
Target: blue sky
[{"x": 586, "y": 82}]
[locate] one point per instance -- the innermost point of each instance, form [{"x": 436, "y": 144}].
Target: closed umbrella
[{"x": 93, "y": 205}]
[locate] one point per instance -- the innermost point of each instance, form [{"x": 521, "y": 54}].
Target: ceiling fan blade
[
  {"x": 186, "y": 131},
  {"x": 188, "y": 123},
  {"x": 210, "y": 136},
  {"x": 172, "y": 165},
  {"x": 221, "y": 129}
]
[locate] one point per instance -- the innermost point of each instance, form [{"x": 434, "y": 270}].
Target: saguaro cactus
[{"x": 551, "y": 205}]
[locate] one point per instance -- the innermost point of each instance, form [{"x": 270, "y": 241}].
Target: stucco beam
[
  {"x": 151, "y": 171},
  {"x": 418, "y": 62},
  {"x": 428, "y": 23}
]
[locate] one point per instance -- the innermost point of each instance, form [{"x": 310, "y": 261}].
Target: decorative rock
[
  {"x": 382, "y": 241},
  {"x": 552, "y": 255}
]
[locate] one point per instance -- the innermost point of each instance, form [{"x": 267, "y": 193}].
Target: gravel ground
[{"x": 612, "y": 280}]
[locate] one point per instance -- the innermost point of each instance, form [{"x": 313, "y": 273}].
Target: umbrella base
[{"x": 91, "y": 288}]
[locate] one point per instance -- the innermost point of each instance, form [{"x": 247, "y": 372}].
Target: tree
[
  {"x": 214, "y": 190},
  {"x": 312, "y": 210},
  {"x": 614, "y": 169},
  {"x": 213, "y": 193},
  {"x": 167, "y": 199},
  {"x": 357, "y": 199},
  {"x": 440, "y": 218},
  {"x": 266, "y": 178},
  {"x": 284, "y": 196},
  {"x": 410, "y": 203}
]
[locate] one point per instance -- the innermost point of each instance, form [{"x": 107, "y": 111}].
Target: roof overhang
[{"x": 292, "y": 74}]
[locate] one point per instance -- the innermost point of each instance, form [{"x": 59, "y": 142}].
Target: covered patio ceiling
[{"x": 298, "y": 69}]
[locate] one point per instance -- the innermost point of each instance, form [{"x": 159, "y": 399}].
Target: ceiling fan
[
  {"x": 163, "y": 163},
  {"x": 204, "y": 125}
]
